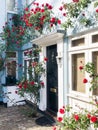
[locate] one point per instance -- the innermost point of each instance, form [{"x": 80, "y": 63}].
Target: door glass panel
[{"x": 77, "y": 75}]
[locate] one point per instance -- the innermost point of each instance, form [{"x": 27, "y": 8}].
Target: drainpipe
[{"x": 66, "y": 85}]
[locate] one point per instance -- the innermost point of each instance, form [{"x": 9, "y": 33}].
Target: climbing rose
[
  {"x": 76, "y": 117},
  {"x": 61, "y": 111},
  {"x": 42, "y": 83},
  {"x": 61, "y": 8},
  {"x": 59, "y": 21},
  {"x": 80, "y": 67},
  {"x": 64, "y": 14},
  {"x": 45, "y": 59},
  {"x": 88, "y": 116},
  {"x": 32, "y": 83},
  {"x": 16, "y": 92},
  {"x": 75, "y": 0},
  {"x": 93, "y": 119},
  {"x": 54, "y": 128},
  {"x": 26, "y": 9},
  {"x": 59, "y": 119},
  {"x": 20, "y": 86},
  {"x": 96, "y": 10},
  {"x": 85, "y": 80}
]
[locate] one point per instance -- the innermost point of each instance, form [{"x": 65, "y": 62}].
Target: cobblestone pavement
[{"x": 15, "y": 118}]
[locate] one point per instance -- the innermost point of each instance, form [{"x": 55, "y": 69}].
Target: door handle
[{"x": 53, "y": 90}]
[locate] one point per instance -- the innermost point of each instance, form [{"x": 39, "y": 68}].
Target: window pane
[
  {"x": 25, "y": 68},
  {"x": 77, "y": 75},
  {"x": 95, "y": 61},
  {"x": 10, "y": 5},
  {"x": 11, "y": 68},
  {"x": 11, "y": 54},
  {"x": 95, "y": 38},
  {"x": 78, "y": 42},
  {"x": 28, "y": 69}
]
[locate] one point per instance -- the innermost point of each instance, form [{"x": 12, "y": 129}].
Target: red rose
[
  {"x": 42, "y": 10},
  {"x": 61, "y": 8},
  {"x": 16, "y": 92},
  {"x": 45, "y": 59},
  {"x": 50, "y": 7},
  {"x": 75, "y": 0},
  {"x": 51, "y": 25},
  {"x": 64, "y": 107},
  {"x": 93, "y": 119},
  {"x": 96, "y": 10},
  {"x": 20, "y": 85},
  {"x": 32, "y": 83},
  {"x": 59, "y": 21},
  {"x": 88, "y": 116},
  {"x": 62, "y": 111},
  {"x": 64, "y": 14},
  {"x": 53, "y": 20},
  {"x": 76, "y": 117},
  {"x": 20, "y": 65},
  {"x": 25, "y": 86},
  {"x": 59, "y": 119},
  {"x": 80, "y": 67},
  {"x": 85, "y": 80},
  {"x": 54, "y": 128},
  {"x": 26, "y": 9},
  {"x": 42, "y": 83}
]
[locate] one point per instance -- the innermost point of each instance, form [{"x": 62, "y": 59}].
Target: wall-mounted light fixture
[{"x": 59, "y": 60}]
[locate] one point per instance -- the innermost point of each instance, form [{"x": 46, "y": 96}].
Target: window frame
[
  {"x": 88, "y": 48},
  {"x": 10, "y": 59}
]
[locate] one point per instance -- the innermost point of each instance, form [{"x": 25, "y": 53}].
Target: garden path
[{"x": 16, "y": 118}]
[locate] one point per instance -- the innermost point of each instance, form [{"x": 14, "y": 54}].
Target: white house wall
[{"x": 2, "y": 14}]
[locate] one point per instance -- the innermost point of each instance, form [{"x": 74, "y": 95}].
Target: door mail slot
[{"x": 53, "y": 90}]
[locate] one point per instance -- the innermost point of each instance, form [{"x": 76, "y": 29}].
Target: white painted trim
[
  {"x": 87, "y": 49},
  {"x": 44, "y": 41}
]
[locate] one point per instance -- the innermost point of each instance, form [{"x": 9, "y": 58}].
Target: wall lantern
[{"x": 59, "y": 60}]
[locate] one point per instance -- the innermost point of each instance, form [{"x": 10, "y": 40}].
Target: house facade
[{"x": 66, "y": 51}]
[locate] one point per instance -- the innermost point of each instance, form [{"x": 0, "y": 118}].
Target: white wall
[
  {"x": 2, "y": 23},
  {"x": 2, "y": 13}
]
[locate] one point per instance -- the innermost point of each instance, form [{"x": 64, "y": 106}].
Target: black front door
[{"x": 52, "y": 79}]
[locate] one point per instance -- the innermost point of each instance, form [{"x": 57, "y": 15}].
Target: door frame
[{"x": 44, "y": 41}]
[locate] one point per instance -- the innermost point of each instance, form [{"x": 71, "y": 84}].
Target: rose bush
[
  {"x": 77, "y": 13},
  {"x": 82, "y": 119},
  {"x": 29, "y": 86},
  {"x": 40, "y": 17}
]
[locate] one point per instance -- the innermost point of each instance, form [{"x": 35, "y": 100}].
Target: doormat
[{"x": 44, "y": 121}]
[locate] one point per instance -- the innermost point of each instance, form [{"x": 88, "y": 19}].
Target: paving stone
[{"x": 15, "y": 118}]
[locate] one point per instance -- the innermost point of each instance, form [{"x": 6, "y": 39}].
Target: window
[
  {"x": 95, "y": 38},
  {"x": 10, "y": 5},
  {"x": 77, "y": 42},
  {"x": 11, "y": 54},
  {"x": 11, "y": 68},
  {"x": 77, "y": 76},
  {"x": 27, "y": 64},
  {"x": 27, "y": 71}
]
